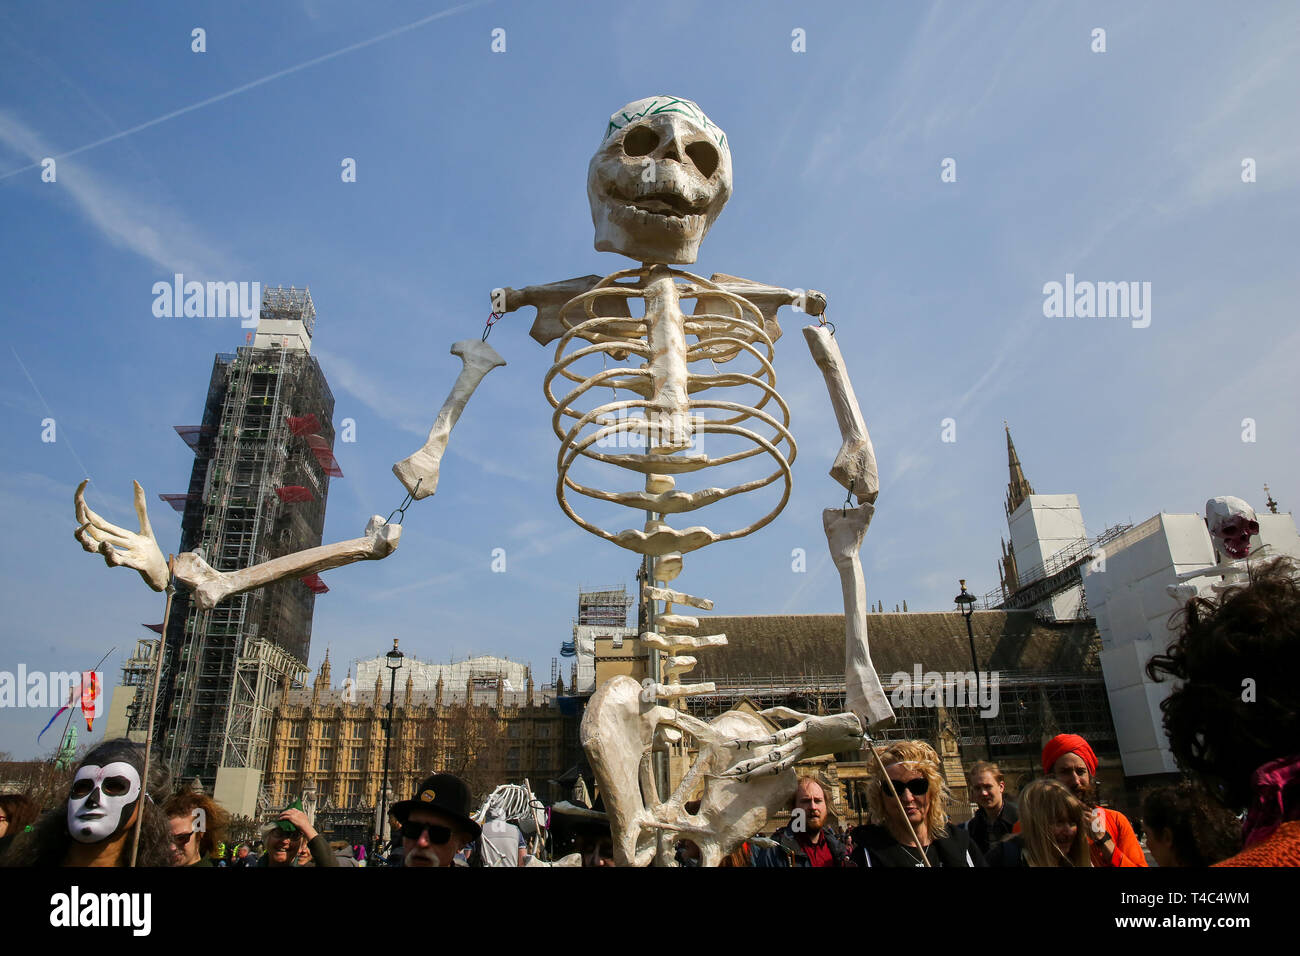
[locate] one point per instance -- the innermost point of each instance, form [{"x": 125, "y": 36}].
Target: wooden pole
[
  {"x": 880, "y": 763},
  {"x": 153, "y": 706}
]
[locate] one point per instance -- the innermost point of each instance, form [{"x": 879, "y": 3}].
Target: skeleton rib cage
[{"x": 664, "y": 393}]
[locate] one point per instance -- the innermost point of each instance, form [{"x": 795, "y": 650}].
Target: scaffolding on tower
[{"x": 257, "y": 491}]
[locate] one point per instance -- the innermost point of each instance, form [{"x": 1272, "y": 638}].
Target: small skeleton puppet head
[
  {"x": 1231, "y": 522},
  {"x": 658, "y": 181},
  {"x": 105, "y": 791}
]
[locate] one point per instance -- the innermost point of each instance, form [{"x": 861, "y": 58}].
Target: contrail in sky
[{"x": 258, "y": 82}]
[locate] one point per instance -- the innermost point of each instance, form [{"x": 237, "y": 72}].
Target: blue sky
[{"x": 471, "y": 169}]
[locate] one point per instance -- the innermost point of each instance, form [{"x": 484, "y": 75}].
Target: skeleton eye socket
[
  {"x": 639, "y": 141},
  {"x": 704, "y": 156},
  {"x": 82, "y": 788},
  {"x": 116, "y": 786}
]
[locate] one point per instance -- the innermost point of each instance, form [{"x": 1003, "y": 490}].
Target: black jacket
[
  {"x": 984, "y": 834},
  {"x": 1008, "y": 852},
  {"x": 790, "y": 853},
  {"x": 875, "y": 846}
]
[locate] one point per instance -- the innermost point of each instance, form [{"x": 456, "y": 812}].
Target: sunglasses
[
  {"x": 111, "y": 787},
  {"x": 918, "y": 787},
  {"x": 182, "y": 839},
  {"x": 438, "y": 835}
]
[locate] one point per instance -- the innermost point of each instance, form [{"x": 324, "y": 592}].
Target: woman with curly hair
[
  {"x": 1234, "y": 718},
  {"x": 97, "y": 825},
  {"x": 909, "y": 816},
  {"x": 198, "y": 826},
  {"x": 1185, "y": 827}
]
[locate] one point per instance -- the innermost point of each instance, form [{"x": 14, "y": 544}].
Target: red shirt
[{"x": 819, "y": 853}]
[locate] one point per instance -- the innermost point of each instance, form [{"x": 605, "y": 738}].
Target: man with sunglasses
[{"x": 435, "y": 823}]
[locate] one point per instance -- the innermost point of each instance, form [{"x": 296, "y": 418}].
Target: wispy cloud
[
  {"x": 253, "y": 84},
  {"x": 127, "y": 219}
]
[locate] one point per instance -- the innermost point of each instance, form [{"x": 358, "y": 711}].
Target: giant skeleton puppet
[
  {"x": 657, "y": 182},
  {"x": 1231, "y": 523}
]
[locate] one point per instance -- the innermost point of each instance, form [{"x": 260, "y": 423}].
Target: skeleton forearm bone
[
  {"x": 210, "y": 586},
  {"x": 122, "y": 548},
  {"x": 855, "y": 465},
  {"x": 863, "y": 694},
  {"x": 421, "y": 469}
]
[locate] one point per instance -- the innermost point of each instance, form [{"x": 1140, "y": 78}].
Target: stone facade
[{"x": 332, "y": 740}]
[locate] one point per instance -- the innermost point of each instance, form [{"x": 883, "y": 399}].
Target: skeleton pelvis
[{"x": 618, "y": 734}]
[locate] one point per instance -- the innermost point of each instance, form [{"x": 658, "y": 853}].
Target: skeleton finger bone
[
  {"x": 863, "y": 694},
  {"x": 419, "y": 472},
  {"x": 119, "y": 547},
  {"x": 211, "y": 586},
  {"x": 814, "y": 736},
  {"x": 855, "y": 463}
]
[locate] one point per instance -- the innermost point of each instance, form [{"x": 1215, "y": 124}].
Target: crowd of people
[{"x": 1233, "y": 722}]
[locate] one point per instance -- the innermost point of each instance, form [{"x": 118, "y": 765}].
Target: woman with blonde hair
[
  {"x": 908, "y": 802},
  {"x": 1053, "y": 829}
]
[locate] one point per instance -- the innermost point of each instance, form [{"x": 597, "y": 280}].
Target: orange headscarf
[{"x": 1063, "y": 744}]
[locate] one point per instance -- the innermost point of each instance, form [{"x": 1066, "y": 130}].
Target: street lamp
[
  {"x": 965, "y": 602},
  {"x": 394, "y": 663}
]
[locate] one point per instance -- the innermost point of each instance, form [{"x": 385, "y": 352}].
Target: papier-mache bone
[{"x": 419, "y": 472}]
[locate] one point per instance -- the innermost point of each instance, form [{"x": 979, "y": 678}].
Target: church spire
[{"x": 1018, "y": 488}]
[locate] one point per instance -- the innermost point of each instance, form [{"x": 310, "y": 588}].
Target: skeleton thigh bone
[{"x": 618, "y": 734}]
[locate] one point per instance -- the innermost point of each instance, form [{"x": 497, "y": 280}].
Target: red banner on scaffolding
[
  {"x": 321, "y": 449},
  {"x": 303, "y": 424},
  {"x": 314, "y": 583},
  {"x": 292, "y": 494}
]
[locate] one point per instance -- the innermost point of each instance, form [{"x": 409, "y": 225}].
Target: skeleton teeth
[{"x": 687, "y": 225}]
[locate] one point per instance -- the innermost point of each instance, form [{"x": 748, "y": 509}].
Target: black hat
[{"x": 447, "y": 794}]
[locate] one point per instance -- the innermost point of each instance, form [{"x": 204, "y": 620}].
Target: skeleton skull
[
  {"x": 1231, "y": 522},
  {"x": 658, "y": 181}
]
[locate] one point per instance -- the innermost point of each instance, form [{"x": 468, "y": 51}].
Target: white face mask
[{"x": 100, "y": 802}]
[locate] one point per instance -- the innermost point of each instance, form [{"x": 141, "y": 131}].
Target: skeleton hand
[
  {"x": 811, "y": 737},
  {"x": 122, "y": 548}
]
